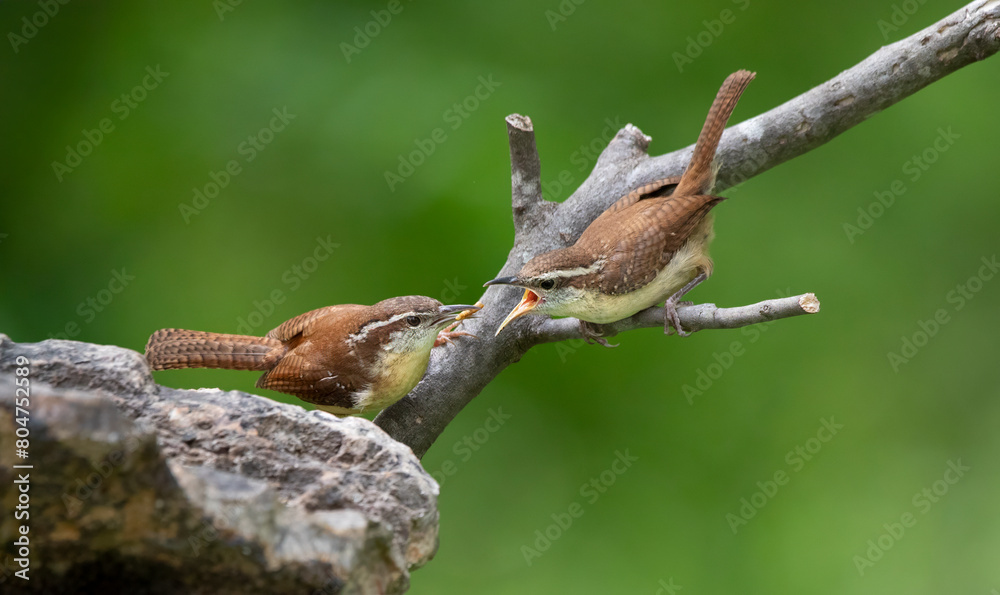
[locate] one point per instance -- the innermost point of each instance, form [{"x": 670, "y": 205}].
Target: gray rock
[{"x": 158, "y": 490}]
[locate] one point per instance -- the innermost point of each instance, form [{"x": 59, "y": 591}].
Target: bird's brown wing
[
  {"x": 324, "y": 374},
  {"x": 649, "y": 235},
  {"x": 655, "y": 189},
  {"x": 303, "y": 322},
  {"x": 297, "y": 375}
]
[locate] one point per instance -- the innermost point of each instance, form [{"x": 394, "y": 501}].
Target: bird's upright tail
[
  {"x": 699, "y": 177},
  {"x": 171, "y": 348}
]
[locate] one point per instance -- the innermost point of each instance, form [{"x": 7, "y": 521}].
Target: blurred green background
[{"x": 667, "y": 521}]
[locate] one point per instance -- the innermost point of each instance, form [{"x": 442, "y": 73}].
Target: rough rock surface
[{"x": 141, "y": 487}]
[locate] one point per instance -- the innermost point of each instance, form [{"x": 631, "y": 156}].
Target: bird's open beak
[
  {"x": 528, "y": 303},
  {"x": 449, "y": 313}
]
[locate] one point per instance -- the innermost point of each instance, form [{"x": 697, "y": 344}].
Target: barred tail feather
[
  {"x": 170, "y": 349},
  {"x": 700, "y": 175}
]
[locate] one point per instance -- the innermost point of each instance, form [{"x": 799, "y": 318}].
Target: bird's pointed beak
[
  {"x": 449, "y": 313},
  {"x": 501, "y": 281},
  {"x": 528, "y": 303}
]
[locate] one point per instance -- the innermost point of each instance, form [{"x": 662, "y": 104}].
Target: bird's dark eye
[
  {"x": 547, "y": 284},
  {"x": 413, "y": 320}
]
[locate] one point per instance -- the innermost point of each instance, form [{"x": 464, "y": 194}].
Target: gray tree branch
[
  {"x": 457, "y": 373},
  {"x": 698, "y": 317},
  {"x": 525, "y": 173}
]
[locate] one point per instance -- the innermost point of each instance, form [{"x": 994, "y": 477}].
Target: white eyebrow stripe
[
  {"x": 363, "y": 333},
  {"x": 560, "y": 274}
]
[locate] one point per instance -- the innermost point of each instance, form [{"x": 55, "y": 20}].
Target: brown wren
[
  {"x": 649, "y": 246},
  {"x": 345, "y": 359}
]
